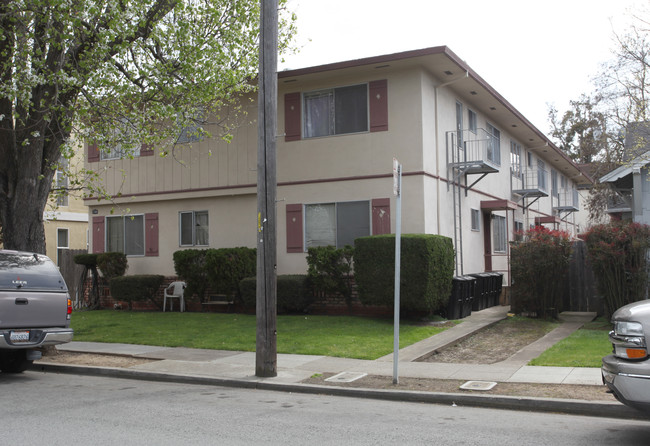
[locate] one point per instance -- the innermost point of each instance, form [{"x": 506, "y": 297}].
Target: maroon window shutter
[
  {"x": 151, "y": 234},
  {"x": 93, "y": 153},
  {"x": 98, "y": 235},
  {"x": 294, "y": 228},
  {"x": 380, "y": 216},
  {"x": 378, "y": 91},
  {"x": 292, "y": 117},
  {"x": 146, "y": 150}
]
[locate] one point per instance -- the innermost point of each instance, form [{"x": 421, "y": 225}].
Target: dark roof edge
[{"x": 427, "y": 52}]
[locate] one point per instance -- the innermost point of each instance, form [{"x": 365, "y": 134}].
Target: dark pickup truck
[{"x": 35, "y": 308}]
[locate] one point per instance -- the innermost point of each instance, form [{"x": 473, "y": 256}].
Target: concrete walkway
[{"x": 238, "y": 368}]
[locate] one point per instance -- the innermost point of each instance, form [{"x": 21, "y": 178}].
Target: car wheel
[{"x": 14, "y": 361}]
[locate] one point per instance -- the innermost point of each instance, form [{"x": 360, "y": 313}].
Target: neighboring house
[
  {"x": 474, "y": 169},
  {"x": 630, "y": 181},
  {"x": 66, "y": 217}
]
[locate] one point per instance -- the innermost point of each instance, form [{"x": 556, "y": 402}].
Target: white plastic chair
[{"x": 174, "y": 290}]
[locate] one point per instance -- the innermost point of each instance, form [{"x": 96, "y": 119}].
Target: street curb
[{"x": 572, "y": 407}]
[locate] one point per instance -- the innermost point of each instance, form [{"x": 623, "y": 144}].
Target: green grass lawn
[
  {"x": 584, "y": 348},
  {"x": 343, "y": 336}
]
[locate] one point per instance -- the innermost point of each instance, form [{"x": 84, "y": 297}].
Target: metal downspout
[{"x": 437, "y": 141}]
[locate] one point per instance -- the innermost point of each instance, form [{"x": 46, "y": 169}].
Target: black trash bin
[
  {"x": 495, "y": 285},
  {"x": 469, "y": 291},
  {"x": 480, "y": 292},
  {"x": 461, "y": 297},
  {"x": 455, "y": 303}
]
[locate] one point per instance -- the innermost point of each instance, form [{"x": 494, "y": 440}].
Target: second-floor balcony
[
  {"x": 473, "y": 152},
  {"x": 532, "y": 182},
  {"x": 568, "y": 200}
]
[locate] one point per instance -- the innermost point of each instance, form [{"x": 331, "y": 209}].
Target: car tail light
[{"x": 69, "y": 308}]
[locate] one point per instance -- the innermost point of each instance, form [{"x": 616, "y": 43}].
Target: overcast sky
[{"x": 534, "y": 53}]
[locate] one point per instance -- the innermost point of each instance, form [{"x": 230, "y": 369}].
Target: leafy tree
[
  {"x": 120, "y": 74},
  {"x": 596, "y": 129},
  {"x": 581, "y": 131}
]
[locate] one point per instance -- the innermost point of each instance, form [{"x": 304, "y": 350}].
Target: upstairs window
[
  {"x": 494, "y": 145},
  {"x": 122, "y": 143},
  {"x": 336, "y": 111},
  {"x": 515, "y": 159},
  {"x": 471, "y": 120},
  {"x": 61, "y": 183}
]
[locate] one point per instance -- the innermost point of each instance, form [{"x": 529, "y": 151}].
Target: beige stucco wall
[{"x": 73, "y": 216}]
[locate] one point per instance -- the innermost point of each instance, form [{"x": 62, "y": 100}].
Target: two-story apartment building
[{"x": 474, "y": 169}]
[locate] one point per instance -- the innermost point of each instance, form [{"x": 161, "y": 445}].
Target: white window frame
[
  {"x": 59, "y": 246},
  {"x": 499, "y": 233},
  {"x": 515, "y": 159},
  {"x": 123, "y": 248},
  {"x": 476, "y": 219},
  {"x": 62, "y": 182},
  {"x": 494, "y": 144},
  {"x": 194, "y": 226},
  {"x": 331, "y": 93}
]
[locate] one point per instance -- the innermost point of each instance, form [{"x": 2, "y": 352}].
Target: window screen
[{"x": 320, "y": 225}]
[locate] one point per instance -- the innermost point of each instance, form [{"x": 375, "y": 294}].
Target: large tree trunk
[
  {"x": 27, "y": 168},
  {"x": 22, "y": 217}
]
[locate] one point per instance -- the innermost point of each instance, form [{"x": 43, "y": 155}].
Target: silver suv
[
  {"x": 627, "y": 370},
  {"x": 35, "y": 308}
]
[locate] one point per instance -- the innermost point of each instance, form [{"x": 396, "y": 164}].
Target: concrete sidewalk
[{"x": 238, "y": 368}]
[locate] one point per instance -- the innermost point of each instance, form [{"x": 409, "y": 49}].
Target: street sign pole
[{"x": 397, "y": 190}]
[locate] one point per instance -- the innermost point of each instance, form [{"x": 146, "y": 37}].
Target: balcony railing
[
  {"x": 532, "y": 183},
  {"x": 568, "y": 201},
  {"x": 473, "y": 152}
]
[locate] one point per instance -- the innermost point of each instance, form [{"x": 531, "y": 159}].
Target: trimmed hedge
[
  {"x": 87, "y": 260},
  {"x": 135, "y": 288},
  {"x": 427, "y": 269},
  {"x": 330, "y": 271},
  {"x": 112, "y": 264},
  {"x": 294, "y": 294},
  {"x": 190, "y": 265},
  {"x": 226, "y": 267}
]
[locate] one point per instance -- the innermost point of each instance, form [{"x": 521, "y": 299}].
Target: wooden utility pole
[{"x": 266, "y": 356}]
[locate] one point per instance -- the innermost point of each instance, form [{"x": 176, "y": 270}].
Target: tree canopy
[
  {"x": 593, "y": 130},
  {"x": 120, "y": 74}
]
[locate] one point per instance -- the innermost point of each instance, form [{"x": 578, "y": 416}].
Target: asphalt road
[{"x": 47, "y": 408}]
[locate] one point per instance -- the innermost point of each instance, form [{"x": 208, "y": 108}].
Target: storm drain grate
[
  {"x": 478, "y": 385},
  {"x": 346, "y": 377}
]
